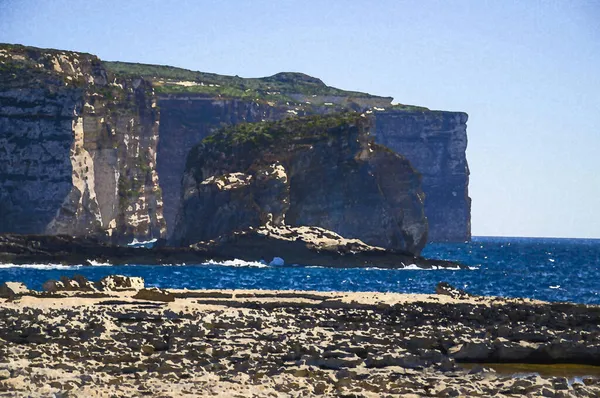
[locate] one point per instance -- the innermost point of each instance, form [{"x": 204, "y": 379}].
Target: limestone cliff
[
  {"x": 77, "y": 148},
  {"x": 321, "y": 171},
  {"x": 195, "y": 104},
  {"x": 80, "y": 151},
  {"x": 435, "y": 143}
]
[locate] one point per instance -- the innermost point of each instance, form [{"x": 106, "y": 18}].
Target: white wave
[
  {"x": 95, "y": 263},
  {"x": 551, "y": 260},
  {"x": 554, "y": 287},
  {"x": 434, "y": 267},
  {"x": 415, "y": 267},
  {"x": 142, "y": 244},
  {"x": 238, "y": 263},
  {"x": 41, "y": 266}
]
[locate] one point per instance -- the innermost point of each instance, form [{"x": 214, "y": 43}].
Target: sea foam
[
  {"x": 41, "y": 266},
  {"x": 237, "y": 263}
]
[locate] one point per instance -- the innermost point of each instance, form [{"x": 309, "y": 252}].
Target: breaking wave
[
  {"x": 42, "y": 266},
  {"x": 238, "y": 263}
]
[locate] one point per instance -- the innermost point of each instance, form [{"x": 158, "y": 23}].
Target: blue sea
[{"x": 540, "y": 268}]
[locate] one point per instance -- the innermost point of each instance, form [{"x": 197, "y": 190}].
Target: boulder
[
  {"x": 447, "y": 289},
  {"x": 84, "y": 283},
  {"x": 120, "y": 282},
  {"x": 154, "y": 294},
  {"x": 69, "y": 284},
  {"x": 10, "y": 289},
  {"x": 53, "y": 286},
  {"x": 76, "y": 284},
  {"x": 471, "y": 352}
]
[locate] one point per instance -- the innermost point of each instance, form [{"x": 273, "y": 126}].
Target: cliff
[
  {"x": 82, "y": 150},
  {"x": 435, "y": 143},
  {"x": 77, "y": 148},
  {"x": 195, "y": 104},
  {"x": 321, "y": 171}
]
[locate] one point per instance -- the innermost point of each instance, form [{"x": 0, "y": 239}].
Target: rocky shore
[{"x": 116, "y": 338}]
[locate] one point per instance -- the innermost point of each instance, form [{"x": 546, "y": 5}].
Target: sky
[{"x": 526, "y": 72}]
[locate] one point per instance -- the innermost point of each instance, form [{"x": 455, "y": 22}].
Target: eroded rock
[
  {"x": 154, "y": 294},
  {"x": 120, "y": 282},
  {"x": 447, "y": 289},
  {"x": 265, "y": 343},
  {"x": 11, "y": 289},
  {"x": 342, "y": 181}
]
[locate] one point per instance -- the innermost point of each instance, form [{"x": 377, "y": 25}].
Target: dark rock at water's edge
[
  {"x": 321, "y": 171},
  {"x": 95, "y": 147},
  {"x": 314, "y": 246},
  {"x": 28, "y": 249},
  {"x": 62, "y": 249}
]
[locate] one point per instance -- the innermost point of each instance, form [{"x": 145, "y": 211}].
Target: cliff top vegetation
[
  {"x": 170, "y": 79},
  {"x": 247, "y": 141},
  {"x": 293, "y": 128},
  {"x": 290, "y": 89}
]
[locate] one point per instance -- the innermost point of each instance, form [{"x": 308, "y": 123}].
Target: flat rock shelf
[{"x": 286, "y": 343}]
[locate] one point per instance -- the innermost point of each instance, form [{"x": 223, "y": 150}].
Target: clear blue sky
[{"x": 527, "y": 72}]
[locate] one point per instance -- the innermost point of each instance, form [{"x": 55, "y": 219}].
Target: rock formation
[
  {"x": 80, "y": 151},
  {"x": 77, "y": 148},
  {"x": 310, "y": 246},
  {"x": 268, "y": 343},
  {"x": 321, "y": 171},
  {"x": 435, "y": 143}
]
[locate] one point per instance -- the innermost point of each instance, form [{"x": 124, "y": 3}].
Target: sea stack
[{"x": 322, "y": 171}]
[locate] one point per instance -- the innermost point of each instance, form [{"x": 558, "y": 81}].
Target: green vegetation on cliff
[
  {"x": 283, "y": 87},
  {"x": 241, "y": 143},
  {"x": 296, "y": 90},
  {"x": 169, "y": 79},
  {"x": 293, "y": 128}
]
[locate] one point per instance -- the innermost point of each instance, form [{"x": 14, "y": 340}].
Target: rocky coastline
[
  {"x": 115, "y": 337},
  {"x": 313, "y": 247},
  {"x": 90, "y": 147}
]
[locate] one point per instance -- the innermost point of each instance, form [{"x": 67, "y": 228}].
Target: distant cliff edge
[{"x": 89, "y": 147}]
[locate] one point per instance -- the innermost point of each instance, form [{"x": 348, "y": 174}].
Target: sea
[{"x": 551, "y": 269}]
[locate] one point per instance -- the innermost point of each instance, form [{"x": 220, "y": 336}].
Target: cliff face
[
  {"x": 77, "y": 148},
  {"x": 435, "y": 143},
  {"x": 80, "y": 153},
  {"x": 321, "y": 171},
  {"x": 185, "y": 121},
  {"x": 194, "y": 105}
]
